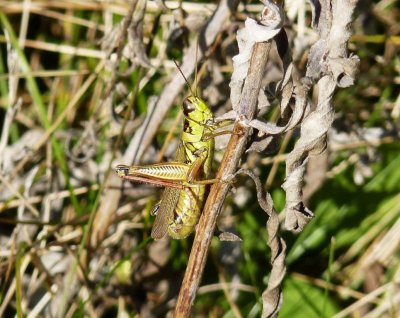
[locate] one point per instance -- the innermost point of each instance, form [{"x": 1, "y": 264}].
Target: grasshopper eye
[{"x": 188, "y": 106}]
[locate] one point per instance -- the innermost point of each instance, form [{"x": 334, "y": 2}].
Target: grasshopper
[{"x": 184, "y": 178}]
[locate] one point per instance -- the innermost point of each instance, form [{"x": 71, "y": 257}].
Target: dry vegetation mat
[{"x": 273, "y": 127}]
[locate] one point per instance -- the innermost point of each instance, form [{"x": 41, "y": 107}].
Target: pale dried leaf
[
  {"x": 229, "y": 237},
  {"x": 136, "y": 49},
  {"x": 252, "y": 33},
  {"x": 272, "y": 297},
  {"x": 331, "y": 46}
]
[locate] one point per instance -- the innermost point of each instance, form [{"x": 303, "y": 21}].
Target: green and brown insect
[{"x": 186, "y": 177}]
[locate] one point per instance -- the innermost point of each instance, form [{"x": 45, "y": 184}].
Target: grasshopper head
[{"x": 197, "y": 110}]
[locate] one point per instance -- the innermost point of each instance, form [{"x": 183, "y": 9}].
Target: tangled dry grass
[{"x": 87, "y": 85}]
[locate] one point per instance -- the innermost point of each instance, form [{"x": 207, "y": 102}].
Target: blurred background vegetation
[{"x": 75, "y": 113}]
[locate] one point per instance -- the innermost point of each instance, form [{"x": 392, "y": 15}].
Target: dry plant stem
[{"x": 229, "y": 164}]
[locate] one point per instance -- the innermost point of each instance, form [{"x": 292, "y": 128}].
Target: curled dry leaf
[
  {"x": 85, "y": 147},
  {"x": 131, "y": 26},
  {"x": 136, "y": 49},
  {"x": 328, "y": 63},
  {"x": 20, "y": 149},
  {"x": 272, "y": 296}
]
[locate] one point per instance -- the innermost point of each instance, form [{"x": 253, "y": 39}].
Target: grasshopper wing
[
  {"x": 169, "y": 200},
  {"x": 165, "y": 212}
]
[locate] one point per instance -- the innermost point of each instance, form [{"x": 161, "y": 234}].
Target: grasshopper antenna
[{"x": 184, "y": 77}]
